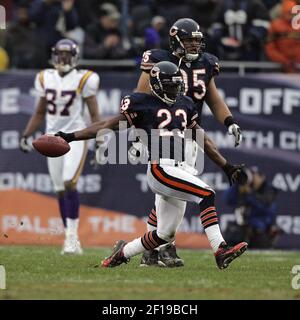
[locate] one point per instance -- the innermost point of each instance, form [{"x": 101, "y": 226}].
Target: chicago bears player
[
  {"x": 171, "y": 114},
  {"x": 198, "y": 69},
  {"x": 61, "y": 91}
]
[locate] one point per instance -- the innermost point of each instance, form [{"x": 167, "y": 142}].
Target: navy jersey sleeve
[
  {"x": 150, "y": 58},
  {"x": 129, "y": 109},
  {"x": 213, "y": 64}
]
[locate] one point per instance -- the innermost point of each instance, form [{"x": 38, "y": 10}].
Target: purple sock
[
  {"x": 72, "y": 204},
  {"x": 62, "y": 201}
]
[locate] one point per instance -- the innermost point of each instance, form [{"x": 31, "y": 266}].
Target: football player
[
  {"x": 61, "y": 91},
  {"x": 198, "y": 69},
  {"x": 171, "y": 114}
]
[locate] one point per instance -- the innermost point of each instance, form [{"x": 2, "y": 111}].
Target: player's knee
[
  {"x": 69, "y": 185},
  {"x": 208, "y": 201}
]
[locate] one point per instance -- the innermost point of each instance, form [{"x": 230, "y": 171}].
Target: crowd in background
[{"x": 243, "y": 30}]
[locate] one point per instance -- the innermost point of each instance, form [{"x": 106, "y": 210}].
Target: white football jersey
[{"x": 64, "y": 96}]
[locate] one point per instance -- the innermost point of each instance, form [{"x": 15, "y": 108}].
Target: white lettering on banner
[
  {"x": 142, "y": 178},
  {"x": 124, "y": 223},
  {"x": 289, "y": 140},
  {"x": 251, "y": 101},
  {"x": 90, "y": 183},
  {"x": 286, "y": 182},
  {"x": 31, "y": 224},
  {"x": 9, "y": 101},
  {"x": 109, "y": 101},
  {"x": 41, "y": 182},
  {"x": 10, "y": 140},
  {"x": 291, "y": 100},
  {"x": 258, "y": 101},
  {"x": 272, "y": 98}
]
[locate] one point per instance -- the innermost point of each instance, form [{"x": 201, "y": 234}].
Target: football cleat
[
  {"x": 226, "y": 254},
  {"x": 117, "y": 257},
  {"x": 149, "y": 258},
  {"x": 168, "y": 257},
  {"x": 72, "y": 246}
]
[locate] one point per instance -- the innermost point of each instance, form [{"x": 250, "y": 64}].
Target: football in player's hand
[{"x": 51, "y": 146}]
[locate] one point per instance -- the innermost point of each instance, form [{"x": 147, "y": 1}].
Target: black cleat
[
  {"x": 149, "y": 258},
  {"x": 167, "y": 257},
  {"x": 226, "y": 254},
  {"x": 117, "y": 256}
]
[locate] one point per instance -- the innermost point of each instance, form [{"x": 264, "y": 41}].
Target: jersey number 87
[{"x": 51, "y": 96}]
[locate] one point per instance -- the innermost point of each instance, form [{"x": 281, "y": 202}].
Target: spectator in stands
[
  {"x": 103, "y": 38},
  {"x": 22, "y": 42},
  {"x": 283, "y": 43},
  {"x": 54, "y": 18},
  {"x": 255, "y": 210},
  {"x": 156, "y": 36},
  {"x": 203, "y": 12},
  {"x": 240, "y": 29}
]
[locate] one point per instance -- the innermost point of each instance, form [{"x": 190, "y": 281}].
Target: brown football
[{"x": 51, "y": 146}]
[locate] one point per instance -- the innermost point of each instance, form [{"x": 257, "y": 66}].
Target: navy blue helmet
[
  {"x": 166, "y": 81},
  {"x": 186, "y": 39}
]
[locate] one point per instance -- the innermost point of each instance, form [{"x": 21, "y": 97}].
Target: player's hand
[
  {"x": 24, "y": 146},
  {"x": 235, "y": 130},
  {"x": 235, "y": 173},
  {"x": 137, "y": 151},
  {"x": 66, "y": 136}
]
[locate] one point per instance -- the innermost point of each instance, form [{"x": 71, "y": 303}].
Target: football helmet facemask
[
  {"x": 186, "y": 39},
  {"x": 166, "y": 81},
  {"x": 65, "y": 55}
]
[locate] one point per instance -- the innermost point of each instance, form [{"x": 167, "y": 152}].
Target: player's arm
[
  {"x": 37, "y": 118},
  {"x": 143, "y": 83},
  {"x": 233, "y": 172},
  {"x": 92, "y": 131},
  {"x": 92, "y": 105},
  {"x": 34, "y": 123},
  {"x": 221, "y": 111},
  {"x": 148, "y": 61}
]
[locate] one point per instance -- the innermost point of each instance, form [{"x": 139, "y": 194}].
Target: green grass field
[{"x": 41, "y": 273}]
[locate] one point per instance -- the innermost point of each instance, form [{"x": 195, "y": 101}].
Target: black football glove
[
  {"x": 69, "y": 137},
  {"x": 235, "y": 173}
]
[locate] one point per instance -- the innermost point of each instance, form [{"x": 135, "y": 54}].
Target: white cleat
[{"x": 72, "y": 246}]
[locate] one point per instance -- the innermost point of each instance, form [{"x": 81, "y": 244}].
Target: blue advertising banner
[{"x": 267, "y": 107}]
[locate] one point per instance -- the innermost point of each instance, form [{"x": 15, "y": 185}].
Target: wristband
[{"x": 229, "y": 121}]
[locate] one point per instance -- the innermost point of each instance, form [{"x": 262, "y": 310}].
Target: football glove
[
  {"x": 24, "y": 146},
  {"x": 235, "y": 173},
  {"x": 69, "y": 137},
  {"x": 137, "y": 151},
  {"x": 235, "y": 130}
]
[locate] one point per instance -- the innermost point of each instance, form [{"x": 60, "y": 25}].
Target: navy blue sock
[
  {"x": 62, "y": 201},
  {"x": 72, "y": 204}
]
